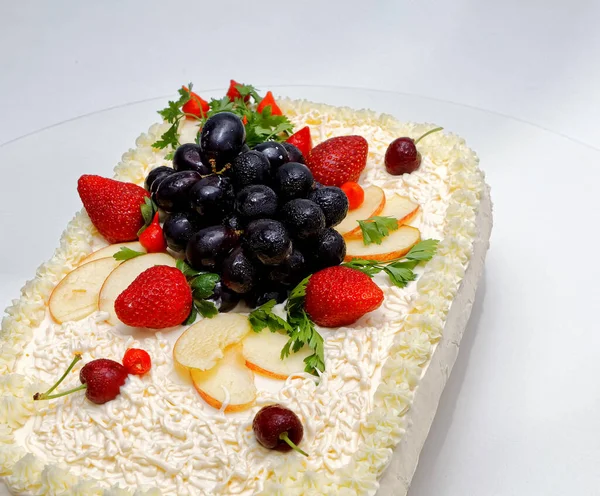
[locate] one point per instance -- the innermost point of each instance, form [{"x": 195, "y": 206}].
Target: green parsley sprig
[
  {"x": 374, "y": 229},
  {"x": 297, "y": 325},
  {"x": 203, "y": 286},
  {"x": 173, "y": 115},
  {"x": 127, "y": 254},
  {"x": 400, "y": 271},
  {"x": 260, "y": 126}
]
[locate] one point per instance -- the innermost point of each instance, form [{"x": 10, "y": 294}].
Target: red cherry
[
  {"x": 101, "y": 378},
  {"x": 278, "y": 428},
  {"x": 152, "y": 238},
  {"x": 136, "y": 361},
  {"x": 402, "y": 156}
]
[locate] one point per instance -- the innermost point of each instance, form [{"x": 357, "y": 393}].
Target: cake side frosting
[{"x": 345, "y": 459}]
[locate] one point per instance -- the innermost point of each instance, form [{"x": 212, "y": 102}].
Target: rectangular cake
[{"x": 372, "y": 321}]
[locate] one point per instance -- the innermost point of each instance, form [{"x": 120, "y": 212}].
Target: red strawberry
[
  {"x": 195, "y": 105},
  {"x": 158, "y": 298},
  {"x": 338, "y": 160},
  {"x": 113, "y": 206},
  {"x": 302, "y": 140},
  {"x": 152, "y": 238},
  {"x": 234, "y": 93},
  {"x": 339, "y": 296},
  {"x": 269, "y": 101}
]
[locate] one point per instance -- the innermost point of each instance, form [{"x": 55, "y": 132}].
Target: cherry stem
[
  {"x": 284, "y": 437},
  {"x": 58, "y": 395},
  {"x": 434, "y": 130},
  {"x": 44, "y": 396}
]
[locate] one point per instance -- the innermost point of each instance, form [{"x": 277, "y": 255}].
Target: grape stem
[
  {"x": 48, "y": 394},
  {"x": 284, "y": 437},
  {"x": 431, "y": 131}
]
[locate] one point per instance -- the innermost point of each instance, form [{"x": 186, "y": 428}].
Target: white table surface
[{"x": 520, "y": 412}]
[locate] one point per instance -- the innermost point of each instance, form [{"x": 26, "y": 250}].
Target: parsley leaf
[
  {"x": 186, "y": 269},
  {"x": 248, "y": 90},
  {"x": 369, "y": 267},
  {"x": 203, "y": 285},
  {"x": 400, "y": 271},
  {"x": 263, "y": 317},
  {"x": 127, "y": 254},
  {"x": 264, "y": 127},
  {"x": 423, "y": 250},
  {"x": 169, "y": 138},
  {"x": 148, "y": 209},
  {"x": 222, "y": 105},
  {"x": 191, "y": 317},
  {"x": 173, "y": 114},
  {"x": 298, "y": 326},
  {"x": 303, "y": 330},
  {"x": 206, "y": 308},
  {"x": 374, "y": 229}
]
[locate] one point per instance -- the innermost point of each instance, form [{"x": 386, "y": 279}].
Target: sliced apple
[
  {"x": 397, "y": 244},
  {"x": 229, "y": 380},
  {"x": 398, "y": 207},
  {"x": 262, "y": 353},
  {"x": 202, "y": 345},
  {"x": 373, "y": 205},
  {"x": 76, "y": 296},
  {"x": 120, "y": 279},
  {"x": 110, "y": 250}
]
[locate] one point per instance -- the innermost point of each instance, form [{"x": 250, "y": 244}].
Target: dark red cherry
[
  {"x": 402, "y": 156},
  {"x": 278, "y": 428}
]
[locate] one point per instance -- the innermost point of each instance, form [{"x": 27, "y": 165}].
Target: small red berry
[
  {"x": 136, "y": 361},
  {"x": 269, "y": 101},
  {"x": 233, "y": 92},
  {"x": 152, "y": 238},
  {"x": 355, "y": 194},
  {"x": 195, "y": 105}
]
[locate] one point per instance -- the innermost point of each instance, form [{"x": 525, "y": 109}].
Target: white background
[{"x": 520, "y": 415}]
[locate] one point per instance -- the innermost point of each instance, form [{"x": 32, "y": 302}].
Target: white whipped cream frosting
[{"x": 158, "y": 433}]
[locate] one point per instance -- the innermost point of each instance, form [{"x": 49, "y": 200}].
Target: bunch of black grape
[{"x": 256, "y": 217}]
